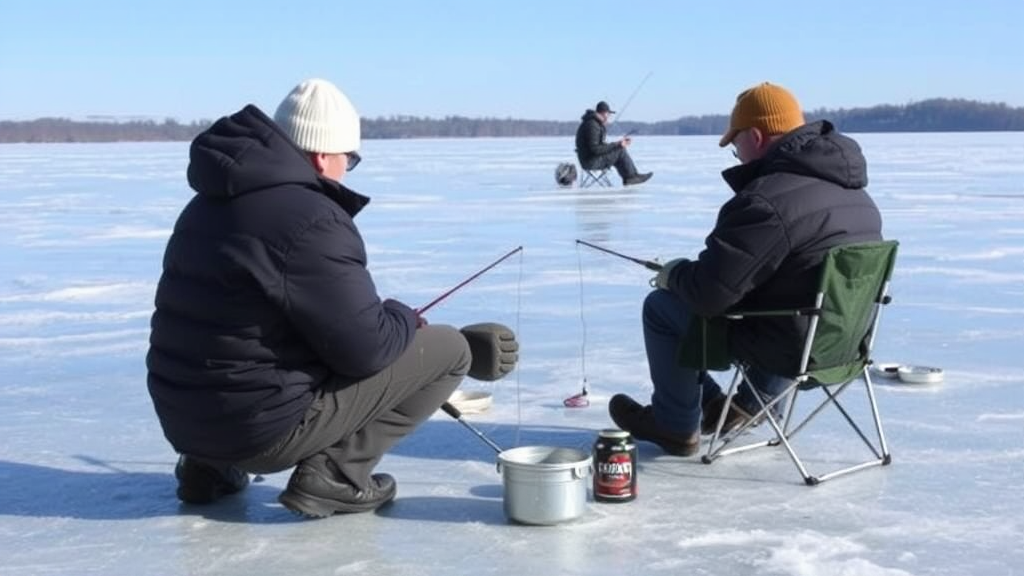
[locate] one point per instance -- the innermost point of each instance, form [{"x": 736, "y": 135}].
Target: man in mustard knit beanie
[{"x": 798, "y": 191}]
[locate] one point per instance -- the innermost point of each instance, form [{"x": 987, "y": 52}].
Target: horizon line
[{"x": 117, "y": 118}]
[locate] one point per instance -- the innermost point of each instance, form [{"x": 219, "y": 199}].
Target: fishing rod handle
[
  {"x": 451, "y": 410},
  {"x": 457, "y": 414}
]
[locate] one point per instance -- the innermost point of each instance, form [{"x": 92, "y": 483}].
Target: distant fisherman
[{"x": 596, "y": 154}]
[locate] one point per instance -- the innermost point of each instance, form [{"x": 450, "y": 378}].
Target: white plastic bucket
[{"x": 544, "y": 484}]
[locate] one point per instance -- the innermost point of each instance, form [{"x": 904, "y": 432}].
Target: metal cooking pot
[{"x": 544, "y": 484}]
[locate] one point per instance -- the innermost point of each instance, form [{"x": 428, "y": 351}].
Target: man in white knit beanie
[
  {"x": 322, "y": 121},
  {"x": 270, "y": 347}
]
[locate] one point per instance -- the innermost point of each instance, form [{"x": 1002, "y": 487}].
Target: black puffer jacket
[
  {"x": 590, "y": 137},
  {"x": 264, "y": 295},
  {"x": 804, "y": 196}
]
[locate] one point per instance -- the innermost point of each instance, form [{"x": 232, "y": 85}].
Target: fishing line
[
  {"x": 519, "y": 308},
  {"x": 447, "y": 407},
  {"x": 580, "y": 400}
]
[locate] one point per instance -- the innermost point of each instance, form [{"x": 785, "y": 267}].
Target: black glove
[{"x": 494, "y": 348}]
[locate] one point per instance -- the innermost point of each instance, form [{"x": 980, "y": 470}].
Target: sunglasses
[{"x": 353, "y": 160}]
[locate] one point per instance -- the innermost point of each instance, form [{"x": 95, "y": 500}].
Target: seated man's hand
[
  {"x": 661, "y": 280},
  {"x": 494, "y": 348}
]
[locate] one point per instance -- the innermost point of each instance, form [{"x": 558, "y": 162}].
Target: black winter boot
[
  {"x": 638, "y": 420},
  {"x": 637, "y": 179},
  {"x": 203, "y": 483},
  {"x": 712, "y": 411},
  {"x": 317, "y": 490}
]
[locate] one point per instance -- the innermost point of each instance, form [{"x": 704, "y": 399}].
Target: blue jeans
[{"x": 678, "y": 391}]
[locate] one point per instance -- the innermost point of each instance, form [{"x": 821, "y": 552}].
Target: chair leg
[
  {"x": 712, "y": 453},
  {"x": 882, "y": 455},
  {"x": 592, "y": 177},
  {"x": 739, "y": 379},
  {"x": 870, "y": 387},
  {"x": 783, "y": 434}
]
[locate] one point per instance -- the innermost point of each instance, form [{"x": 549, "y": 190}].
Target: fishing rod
[
  {"x": 581, "y": 400},
  {"x": 622, "y": 109},
  {"x": 650, "y": 265},
  {"x": 447, "y": 407},
  {"x": 467, "y": 281},
  {"x": 457, "y": 414}
]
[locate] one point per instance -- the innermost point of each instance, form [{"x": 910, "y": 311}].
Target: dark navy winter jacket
[
  {"x": 264, "y": 296},
  {"x": 804, "y": 196},
  {"x": 590, "y": 136}
]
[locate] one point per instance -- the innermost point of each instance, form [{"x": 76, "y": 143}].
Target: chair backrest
[{"x": 854, "y": 281}]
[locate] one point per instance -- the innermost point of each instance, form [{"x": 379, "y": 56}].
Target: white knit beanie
[{"x": 319, "y": 118}]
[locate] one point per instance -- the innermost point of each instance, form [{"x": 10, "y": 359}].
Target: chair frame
[
  {"x": 589, "y": 178},
  {"x": 785, "y": 430}
]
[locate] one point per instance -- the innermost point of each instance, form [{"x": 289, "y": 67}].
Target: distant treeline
[{"x": 936, "y": 115}]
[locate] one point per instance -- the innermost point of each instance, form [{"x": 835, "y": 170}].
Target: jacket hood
[
  {"x": 815, "y": 150},
  {"x": 589, "y": 115},
  {"x": 247, "y": 152}
]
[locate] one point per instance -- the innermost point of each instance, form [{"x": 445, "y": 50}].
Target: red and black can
[{"x": 614, "y": 466}]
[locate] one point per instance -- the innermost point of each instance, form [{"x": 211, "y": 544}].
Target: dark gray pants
[
  {"x": 355, "y": 425},
  {"x": 619, "y": 158}
]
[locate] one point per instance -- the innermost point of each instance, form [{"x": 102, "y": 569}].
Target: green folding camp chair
[{"x": 843, "y": 322}]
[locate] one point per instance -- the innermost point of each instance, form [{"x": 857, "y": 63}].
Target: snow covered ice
[{"x": 86, "y": 484}]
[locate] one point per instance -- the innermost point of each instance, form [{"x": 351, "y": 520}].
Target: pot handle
[{"x": 581, "y": 472}]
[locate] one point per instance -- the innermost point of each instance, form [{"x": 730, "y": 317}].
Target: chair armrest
[{"x": 740, "y": 314}]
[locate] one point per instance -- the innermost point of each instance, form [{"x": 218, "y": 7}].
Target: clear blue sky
[{"x": 527, "y": 59}]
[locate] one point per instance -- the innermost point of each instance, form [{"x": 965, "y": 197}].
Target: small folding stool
[{"x": 599, "y": 177}]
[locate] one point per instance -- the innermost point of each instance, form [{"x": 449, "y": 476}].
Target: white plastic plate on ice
[
  {"x": 886, "y": 370},
  {"x": 471, "y": 401},
  {"x": 920, "y": 374}
]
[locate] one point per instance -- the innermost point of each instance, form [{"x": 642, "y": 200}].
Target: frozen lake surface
[{"x": 87, "y": 475}]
